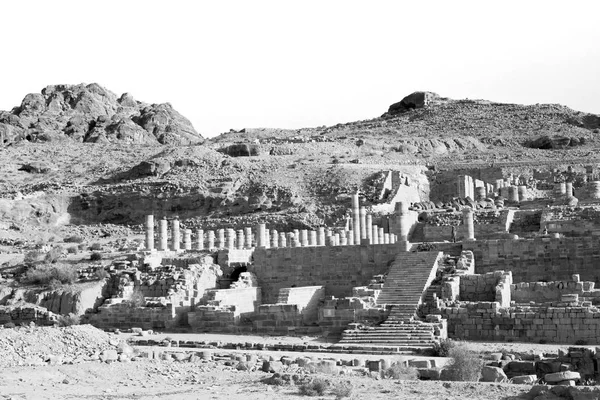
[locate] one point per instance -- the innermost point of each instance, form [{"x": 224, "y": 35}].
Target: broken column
[
  {"x": 248, "y": 237},
  {"x": 594, "y": 190},
  {"x": 369, "y": 228},
  {"x": 469, "y": 225},
  {"x": 221, "y": 238},
  {"x": 290, "y": 239},
  {"x": 513, "y": 194},
  {"x": 200, "y": 239},
  {"x": 321, "y": 236},
  {"x": 260, "y": 236},
  {"x": 522, "y": 189},
  {"x": 210, "y": 240},
  {"x": 350, "y": 238},
  {"x": 363, "y": 224},
  {"x": 150, "y": 232},
  {"x": 176, "y": 238},
  {"x": 480, "y": 193},
  {"x": 187, "y": 239},
  {"x": 560, "y": 189},
  {"x": 569, "y": 189},
  {"x": 163, "y": 236},
  {"x": 274, "y": 239},
  {"x": 312, "y": 238},
  {"x": 386, "y": 238},
  {"x": 239, "y": 240},
  {"x": 381, "y": 238},
  {"x": 343, "y": 238},
  {"x": 356, "y": 217},
  {"x": 403, "y": 220},
  {"x": 304, "y": 237},
  {"x": 282, "y": 241},
  {"x": 375, "y": 234}
]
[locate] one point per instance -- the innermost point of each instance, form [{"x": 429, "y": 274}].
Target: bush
[
  {"x": 401, "y": 372},
  {"x": 96, "y": 246},
  {"x": 342, "y": 390},
  {"x": 101, "y": 273},
  {"x": 53, "y": 255},
  {"x": 315, "y": 387},
  {"x": 465, "y": 365},
  {"x": 442, "y": 349},
  {"x": 137, "y": 298},
  {"x": 68, "y": 320},
  {"x": 50, "y": 275},
  {"x": 73, "y": 239},
  {"x": 32, "y": 256},
  {"x": 95, "y": 256},
  {"x": 72, "y": 250}
]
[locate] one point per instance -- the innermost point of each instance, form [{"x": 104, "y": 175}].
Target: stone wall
[
  {"x": 478, "y": 287},
  {"x": 336, "y": 314},
  {"x": 26, "y": 314},
  {"x": 337, "y": 268},
  {"x": 540, "y": 259},
  {"x": 540, "y": 292},
  {"x": 558, "y": 323},
  {"x": 307, "y": 298},
  {"x": 118, "y": 313}
]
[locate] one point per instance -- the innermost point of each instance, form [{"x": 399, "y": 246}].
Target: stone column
[
  {"x": 356, "y": 217},
  {"x": 312, "y": 238},
  {"x": 210, "y": 240},
  {"x": 187, "y": 239},
  {"x": 267, "y": 238},
  {"x": 480, "y": 193},
  {"x": 304, "y": 237},
  {"x": 363, "y": 224},
  {"x": 569, "y": 189},
  {"x": 290, "y": 239},
  {"x": 150, "y": 232},
  {"x": 386, "y": 238},
  {"x": 560, "y": 189},
  {"x": 220, "y": 238},
  {"x": 296, "y": 240},
  {"x": 274, "y": 239},
  {"x": 200, "y": 239},
  {"x": 176, "y": 238},
  {"x": 594, "y": 190},
  {"x": 468, "y": 222},
  {"x": 321, "y": 236},
  {"x": 239, "y": 240},
  {"x": 248, "y": 237},
  {"x": 375, "y": 235},
  {"x": 336, "y": 239},
  {"x": 331, "y": 240},
  {"x": 230, "y": 239},
  {"x": 343, "y": 238},
  {"x": 369, "y": 219},
  {"x": 351, "y": 238},
  {"x": 260, "y": 236},
  {"x": 381, "y": 236},
  {"x": 522, "y": 190},
  {"x": 163, "y": 235},
  {"x": 392, "y": 238},
  {"x": 282, "y": 241},
  {"x": 403, "y": 218}
]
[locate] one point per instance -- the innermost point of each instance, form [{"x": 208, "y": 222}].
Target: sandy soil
[{"x": 186, "y": 381}]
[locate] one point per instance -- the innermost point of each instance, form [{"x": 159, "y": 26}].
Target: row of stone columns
[{"x": 265, "y": 238}]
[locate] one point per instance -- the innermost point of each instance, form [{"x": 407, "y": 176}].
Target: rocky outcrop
[
  {"x": 412, "y": 101},
  {"x": 555, "y": 142},
  {"x": 90, "y": 113}
]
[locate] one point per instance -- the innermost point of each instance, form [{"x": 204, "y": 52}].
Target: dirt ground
[{"x": 186, "y": 381}]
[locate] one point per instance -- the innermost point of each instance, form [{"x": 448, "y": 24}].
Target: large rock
[
  {"x": 413, "y": 100},
  {"x": 551, "y": 142},
  {"x": 556, "y": 377},
  {"x": 493, "y": 374},
  {"x": 524, "y": 380},
  {"x": 91, "y": 113}
]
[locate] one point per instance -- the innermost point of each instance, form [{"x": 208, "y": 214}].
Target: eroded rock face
[
  {"x": 413, "y": 100},
  {"x": 91, "y": 113}
]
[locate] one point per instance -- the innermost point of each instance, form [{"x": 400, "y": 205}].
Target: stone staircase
[{"x": 404, "y": 289}]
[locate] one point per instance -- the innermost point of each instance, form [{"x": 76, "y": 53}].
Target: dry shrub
[
  {"x": 101, "y": 273},
  {"x": 316, "y": 387},
  {"x": 465, "y": 365},
  {"x": 442, "y": 349},
  {"x": 342, "y": 390},
  {"x": 96, "y": 247},
  {"x": 137, "y": 298},
  {"x": 72, "y": 250},
  {"x": 95, "y": 256},
  {"x": 73, "y": 239},
  {"x": 318, "y": 368},
  {"x": 401, "y": 372},
  {"x": 68, "y": 320},
  {"x": 50, "y": 275},
  {"x": 53, "y": 255},
  {"x": 32, "y": 256}
]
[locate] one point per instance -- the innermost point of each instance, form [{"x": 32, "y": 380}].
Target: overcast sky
[{"x": 236, "y": 64}]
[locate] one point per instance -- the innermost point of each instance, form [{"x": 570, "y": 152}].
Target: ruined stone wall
[
  {"x": 478, "y": 287},
  {"x": 432, "y": 233},
  {"x": 337, "y": 268},
  {"x": 544, "y": 323},
  {"x": 540, "y": 259},
  {"x": 336, "y": 314},
  {"x": 115, "y": 313},
  {"x": 540, "y": 292},
  {"x": 26, "y": 314}
]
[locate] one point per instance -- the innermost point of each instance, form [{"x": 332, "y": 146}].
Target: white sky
[{"x": 235, "y": 64}]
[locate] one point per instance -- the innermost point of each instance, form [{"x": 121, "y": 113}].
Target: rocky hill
[
  {"x": 290, "y": 178},
  {"x": 92, "y": 114}
]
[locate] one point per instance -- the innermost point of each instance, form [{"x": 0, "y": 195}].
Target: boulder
[
  {"x": 35, "y": 167},
  {"x": 556, "y": 377},
  {"x": 550, "y": 142},
  {"x": 524, "y": 379},
  {"x": 493, "y": 374},
  {"x": 241, "y": 150},
  {"x": 412, "y": 101}
]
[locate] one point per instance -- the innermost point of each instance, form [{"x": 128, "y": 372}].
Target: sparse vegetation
[
  {"x": 32, "y": 257},
  {"x": 72, "y": 250},
  {"x": 442, "y": 349},
  {"x": 465, "y": 364},
  {"x": 96, "y": 247},
  {"x": 401, "y": 372},
  {"x": 316, "y": 387},
  {"x": 53, "y": 255},
  {"x": 137, "y": 298},
  {"x": 342, "y": 390},
  {"x": 73, "y": 239},
  {"x": 101, "y": 273},
  {"x": 95, "y": 256},
  {"x": 51, "y": 275},
  {"x": 69, "y": 320}
]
